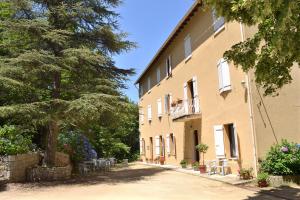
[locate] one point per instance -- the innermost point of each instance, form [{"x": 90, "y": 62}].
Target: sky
[{"x": 148, "y": 23}]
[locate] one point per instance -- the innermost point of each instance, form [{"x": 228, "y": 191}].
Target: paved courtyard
[{"x": 140, "y": 182}]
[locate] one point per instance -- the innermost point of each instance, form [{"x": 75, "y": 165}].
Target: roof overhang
[{"x": 174, "y": 33}]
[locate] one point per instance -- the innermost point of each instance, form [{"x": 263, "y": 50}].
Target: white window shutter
[
  {"x": 196, "y": 96},
  {"x": 158, "y": 75},
  {"x": 166, "y": 104},
  {"x": 187, "y": 46},
  {"x": 225, "y": 75},
  {"x": 170, "y": 65},
  {"x": 142, "y": 116},
  {"x": 185, "y": 98},
  {"x": 219, "y": 141},
  {"x": 220, "y": 74},
  {"x": 149, "y": 113},
  {"x": 141, "y": 147},
  {"x": 168, "y": 144},
  {"x": 157, "y": 146},
  {"x": 159, "y": 108},
  {"x": 170, "y": 102},
  {"x": 236, "y": 142}
]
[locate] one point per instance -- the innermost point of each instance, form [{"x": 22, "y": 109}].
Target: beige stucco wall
[
  {"x": 275, "y": 117},
  {"x": 216, "y": 109}
]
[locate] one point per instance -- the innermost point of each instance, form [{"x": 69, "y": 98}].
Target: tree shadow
[
  {"x": 282, "y": 192},
  {"x": 109, "y": 178}
]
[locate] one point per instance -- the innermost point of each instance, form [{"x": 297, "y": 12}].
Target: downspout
[{"x": 250, "y": 109}]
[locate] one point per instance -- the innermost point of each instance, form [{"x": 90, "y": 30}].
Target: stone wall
[
  {"x": 15, "y": 166},
  {"x": 40, "y": 173}
]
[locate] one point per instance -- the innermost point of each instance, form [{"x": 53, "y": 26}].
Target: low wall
[
  {"x": 284, "y": 180},
  {"x": 15, "y": 166},
  {"x": 39, "y": 173}
]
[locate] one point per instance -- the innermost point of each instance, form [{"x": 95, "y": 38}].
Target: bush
[
  {"x": 183, "y": 163},
  {"x": 282, "y": 159},
  {"x": 77, "y": 146},
  {"x": 246, "y": 173},
  {"x": 13, "y": 141},
  {"x": 262, "y": 176}
]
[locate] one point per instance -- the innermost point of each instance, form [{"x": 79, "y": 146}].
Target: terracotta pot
[
  {"x": 162, "y": 160},
  {"x": 202, "y": 169},
  {"x": 263, "y": 184}
]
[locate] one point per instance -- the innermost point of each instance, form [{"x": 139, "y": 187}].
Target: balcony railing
[{"x": 185, "y": 108}]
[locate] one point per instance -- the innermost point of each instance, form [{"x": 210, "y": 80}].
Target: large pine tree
[{"x": 56, "y": 63}]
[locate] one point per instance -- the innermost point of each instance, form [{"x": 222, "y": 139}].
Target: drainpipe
[{"x": 249, "y": 92}]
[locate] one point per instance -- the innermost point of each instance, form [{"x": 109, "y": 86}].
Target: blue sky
[{"x": 149, "y": 23}]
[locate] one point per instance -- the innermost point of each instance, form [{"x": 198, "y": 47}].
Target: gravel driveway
[{"x": 138, "y": 182}]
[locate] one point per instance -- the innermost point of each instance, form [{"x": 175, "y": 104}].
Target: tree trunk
[{"x": 51, "y": 146}]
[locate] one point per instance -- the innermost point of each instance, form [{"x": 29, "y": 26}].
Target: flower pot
[
  {"x": 162, "y": 160},
  {"x": 196, "y": 168},
  {"x": 202, "y": 169},
  {"x": 183, "y": 166},
  {"x": 263, "y": 183}
]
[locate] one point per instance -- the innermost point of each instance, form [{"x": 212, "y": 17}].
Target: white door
[
  {"x": 219, "y": 141},
  {"x": 185, "y": 100},
  {"x": 196, "y": 96}
]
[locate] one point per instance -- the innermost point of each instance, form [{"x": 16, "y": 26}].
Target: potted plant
[
  {"x": 183, "y": 163},
  {"x": 202, "y": 148},
  {"x": 246, "y": 174},
  {"x": 263, "y": 179},
  {"x": 161, "y": 160},
  {"x": 195, "y": 165}
]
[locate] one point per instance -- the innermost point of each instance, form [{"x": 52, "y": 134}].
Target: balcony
[{"x": 185, "y": 110}]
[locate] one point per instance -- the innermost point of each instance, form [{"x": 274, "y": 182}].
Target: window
[
  {"x": 149, "y": 113},
  {"x": 142, "y": 146},
  {"x": 159, "y": 108},
  {"x": 232, "y": 140},
  {"x": 141, "y": 90},
  {"x": 169, "y": 66},
  {"x": 224, "y": 76},
  {"x": 218, "y": 22},
  {"x": 149, "y": 83},
  {"x": 158, "y": 75},
  {"x": 142, "y": 116},
  {"x": 187, "y": 47},
  {"x": 157, "y": 145},
  {"x": 170, "y": 144},
  {"x": 168, "y": 101}
]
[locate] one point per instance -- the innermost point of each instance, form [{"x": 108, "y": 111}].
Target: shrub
[
  {"x": 282, "y": 159},
  {"x": 13, "y": 141},
  {"x": 183, "y": 163},
  {"x": 262, "y": 176},
  {"x": 246, "y": 174},
  {"x": 195, "y": 164}
]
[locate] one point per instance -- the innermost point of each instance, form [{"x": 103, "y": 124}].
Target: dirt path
[{"x": 138, "y": 182}]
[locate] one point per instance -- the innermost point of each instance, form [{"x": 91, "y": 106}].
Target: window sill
[
  {"x": 233, "y": 159},
  {"x": 217, "y": 32},
  {"x": 188, "y": 58},
  {"x": 170, "y": 76},
  {"x": 149, "y": 92},
  {"x": 225, "y": 89},
  {"x": 158, "y": 84}
]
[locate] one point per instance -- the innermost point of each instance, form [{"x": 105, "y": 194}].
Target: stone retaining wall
[
  {"x": 284, "y": 180},
  {"x": 39, "y": 173}
]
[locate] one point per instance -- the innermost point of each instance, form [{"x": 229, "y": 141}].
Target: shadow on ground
[
  {"x": 283, "y": 192},
  {"x": 112, "y": 178}
]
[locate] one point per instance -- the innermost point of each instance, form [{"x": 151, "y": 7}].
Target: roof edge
[{"x": 181, "y": 23}]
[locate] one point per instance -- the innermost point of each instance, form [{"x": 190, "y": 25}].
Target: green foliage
[
  {"x": 70, "y": 143},
  {"x": 262, "y": 176},
  {"x": 195, "y": 164},
  {"x": 13, "y": 141},
  {"x": 183, "y": 163},
  {"x": 273, "y": 50},
  {"x": 246, "y": 173},
  {"x": 202, "y": 148},
  {"x": 56, "y": 64},
  {"x": 282, "y": 159}
]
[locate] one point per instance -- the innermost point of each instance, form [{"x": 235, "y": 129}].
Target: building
[{"x": 189, "y": 95}]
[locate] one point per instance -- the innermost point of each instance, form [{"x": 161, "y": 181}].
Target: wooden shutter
[
  {"x": 142, "y": 116},
  {"x": 225, "y": 75},
  {"x": 196, "y": 96},
  {"x": 168, "y": 145},
  {"x": 159, "y": 108},
  {"x": 187, "y": 46},
  {"x": 157, "y": 146},
  {"x": 236, "y": 142},
  {"x": 219, "y": 141},
  {"x": 158, "y": 75},
  {"x": 166, "y": 104},
  {"x": 220, "y": 74},
  {"x": 149, "y": 113},
  {"x": 185, "y": 98}
]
